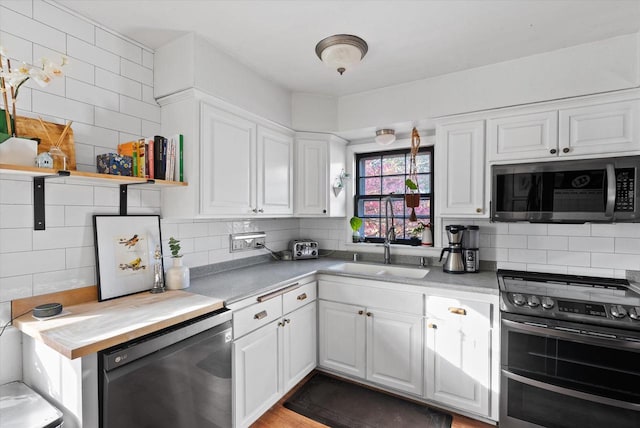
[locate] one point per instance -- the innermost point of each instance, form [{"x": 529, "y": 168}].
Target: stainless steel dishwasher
[{"x": 177, "y": 377}]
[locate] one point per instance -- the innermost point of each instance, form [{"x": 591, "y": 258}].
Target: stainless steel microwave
[{"x": 602, "y": 190}]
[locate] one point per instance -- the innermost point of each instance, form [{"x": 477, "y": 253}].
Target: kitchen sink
[{"x": 380, "y": 270}]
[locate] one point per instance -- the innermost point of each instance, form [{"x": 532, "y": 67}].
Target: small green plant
[
  {"x": 174, "y": 246},
  {"x": 356, "y": 223},
  {"x": 410, "y": 184}
]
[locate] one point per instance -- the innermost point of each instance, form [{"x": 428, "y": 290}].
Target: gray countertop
[{"x": 236, "y": 284}]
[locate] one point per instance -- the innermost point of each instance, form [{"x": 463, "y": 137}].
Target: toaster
[{"x": 304, "y": 249}]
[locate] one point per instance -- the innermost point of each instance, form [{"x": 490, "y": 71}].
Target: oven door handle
[
  {"x": 562, "y": 334},
  {"x": 570, "y": 392}
]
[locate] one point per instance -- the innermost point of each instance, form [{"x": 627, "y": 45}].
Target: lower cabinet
[
  {"x": 458, "y": 354},
  {"x": 269, "y": 361},
  {"x": 372, "y": 344}
]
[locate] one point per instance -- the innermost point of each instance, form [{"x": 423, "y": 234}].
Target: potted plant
[
  {"x": 423, "y": 232},
  {"x": 355, "y": 223},
  {"x": 412, "y": 197},
  {"x": 177, "y": 276}
]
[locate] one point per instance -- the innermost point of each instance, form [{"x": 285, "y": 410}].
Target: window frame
[{"x": 357, "y": 197}]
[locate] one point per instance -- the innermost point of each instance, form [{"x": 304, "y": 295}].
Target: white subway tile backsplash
[
  {"x": 147, "y": 94},
  {"x": 569, "y": 258},
  {"x": 538, "y": 242},
  {"x": 117, "y": 121},
  {"x": 54, "y": 215},
  {"x": 150, "y": 128},
  {"x": 15, "y": 215},
  {"x": 20, "y": 6},
  {"x": 92, "y": 54},
  {"x": 14, "y": 240},
  {"x": 192, "y": 230},
  {"x": 15, "y": 287},
  {"x": 150, "y": 198},
  {"x": 106, "y": 196},
  {"x": 95, "y": 136},
  {"x": 28, "y": 262},
  {"x": 83, "y": 216},
  {"x": 580, "y": 270},
  {"x": 64, "y": 21},
  {"x": 17, "y": 49},
  {"x": 509, "y": 241},
  {"x": 15, "y": 192},
  {"x": 627, "y": 245},
  {"x": 569, "y": 229},
  {"x": 90, "y": 94},
  {"x": 139, "y": 109},
  {"x": 85, "y": 154},
  {"x": 29, "y": 29},
  {"x": 206, "y": 243},
  {"x": 604, "y": 245},
  {"x": 546, "y": 268},
  {"x": 69, "y": 194},
  {"x": 527, "y": 229},
  {"x": 136, "y": 72},
  {"x": 511, "y": 265},
  {"x": 119, "y": 84},
  {"x": 67, "y": 279},
  {"x": 62, "y": 237},
  {"x": 80, "y": 257},
  {"x": 615, "y": 261},
  {"x": 119, "y": 46},
  {"x": 62, "y": 107},
  {"x": 527, "y": 256}
]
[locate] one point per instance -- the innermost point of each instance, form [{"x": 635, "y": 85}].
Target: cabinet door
[
  {"x": 600, "y": 129},
  {"x": 300, "y": 344},
  {"x": 394, "y": 350},
  {"x": 460, "y": 163},
  {"x": 526, "y": 136},
  {"x": 458, "y": 354},
  {"x": 257, "y": 373},
  {"x": 275, "y": 172},
  {"x": 227, "y": 164},
  {"x": 312, "y": 183},
  {"x": 342, "y": 338}
]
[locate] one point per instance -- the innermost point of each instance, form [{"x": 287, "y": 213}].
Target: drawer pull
[
  {"x": 458, "y": 311},
  {"x": 369, "y": 314},
  {"x": 260, "y": 315},
  {"x": 360, "y": 312},
  {"x": 278, "y": 292},
  {"x": 431, "y": 325},
  {"x": 302, "y": 296}
]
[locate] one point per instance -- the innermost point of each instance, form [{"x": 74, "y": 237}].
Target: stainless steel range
[{"x": 570, "y": 351}]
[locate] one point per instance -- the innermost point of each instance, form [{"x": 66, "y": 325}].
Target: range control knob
[
  {"x": 533, "y": 301},
  {"x": 634, "y": 313},
  {"x": 547, "y": 302},
  {"x": 618, "y": 311},
  {"x": 518, "y": 299}
]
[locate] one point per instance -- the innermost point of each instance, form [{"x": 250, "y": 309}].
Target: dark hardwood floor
[{"x": 281, "y": 417}]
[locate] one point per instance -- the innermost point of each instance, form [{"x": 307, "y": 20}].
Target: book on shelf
[
  {"x": 142, "y": 159},
  {"x": 150, "y": 158},
  {"x": 158, "y": 156}
]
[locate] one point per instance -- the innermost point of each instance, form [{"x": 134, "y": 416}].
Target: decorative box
[
  {"x": 19, "y": 151},
  {"x": 114, "y": 164}
]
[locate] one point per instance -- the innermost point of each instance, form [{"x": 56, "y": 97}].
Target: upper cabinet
[
  {"x": 606, "y": 125},
  {"x": 239, "y": 164},
  {"x": 460, "y": 169},
  {"x": 320, "y": 159}
]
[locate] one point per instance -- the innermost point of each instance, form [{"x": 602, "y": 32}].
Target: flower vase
[
  {"x": 18, "y": 151},
  {"x": 177, "y": 276}
]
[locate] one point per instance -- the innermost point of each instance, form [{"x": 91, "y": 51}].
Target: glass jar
[{"x": 60, "y": 159}]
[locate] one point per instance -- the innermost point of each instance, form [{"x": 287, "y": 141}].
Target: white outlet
[{"x": 246, "y": 241}]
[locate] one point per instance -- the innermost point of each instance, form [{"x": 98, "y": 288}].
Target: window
[{"x": 382, "y": 174}]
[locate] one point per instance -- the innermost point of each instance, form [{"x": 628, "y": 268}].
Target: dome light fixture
[
  {"x": 384, "y": 137},
  {"x": 341, "y": 51}
]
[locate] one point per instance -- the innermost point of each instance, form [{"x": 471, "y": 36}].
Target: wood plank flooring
[{"x": 281, "y": 417}]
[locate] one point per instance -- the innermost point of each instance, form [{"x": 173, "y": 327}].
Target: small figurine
[
  {"x": 158, "y": 280},
  {"x": 44, "y": 160}
]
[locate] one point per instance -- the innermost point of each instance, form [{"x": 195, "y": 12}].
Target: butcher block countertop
[{"x": 93, "y": 326}]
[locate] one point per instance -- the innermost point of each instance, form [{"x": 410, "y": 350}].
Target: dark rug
[{"x": 342, "y": 404}]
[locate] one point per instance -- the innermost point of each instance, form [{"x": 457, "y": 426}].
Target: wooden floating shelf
[{"x": 114, "y": 179}]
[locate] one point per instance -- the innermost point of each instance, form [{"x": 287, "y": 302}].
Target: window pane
[
  {"x": 371, "y": 228},
  {"x": 371, "y": 166},
  {"x": 424, "y": 210},
  {"x": 424, "y": 183},
  {"x": 371, "y": 186},
  {"x": 423, "y": 163},
  {"x": 371, "y": 208},
  {"x": 393, "y": 184},
  {"x": 393, "y": 164}
]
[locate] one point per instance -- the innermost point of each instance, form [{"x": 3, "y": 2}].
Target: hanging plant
[{"x": 412, "y": 193}]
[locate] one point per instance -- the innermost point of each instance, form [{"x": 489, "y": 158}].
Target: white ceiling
[{"x": 408, "y": 40}]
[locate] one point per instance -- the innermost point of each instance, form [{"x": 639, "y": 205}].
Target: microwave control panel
[{"x": 625, "y": 189}]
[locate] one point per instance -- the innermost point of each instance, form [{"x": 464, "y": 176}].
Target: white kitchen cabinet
[
  {"x": 275, "y": 347},
  {"x": 460, "y": 169},
  {"x": 458, "y": 353},
  {"x": 371, "y": 341},
  {"x": 320, "y": 159},
  {"x": 518, "y": 136},
  {"x": 237, "y": 164}
]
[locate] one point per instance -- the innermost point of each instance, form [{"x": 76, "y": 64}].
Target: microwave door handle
[{"x": 611, "y": 190}]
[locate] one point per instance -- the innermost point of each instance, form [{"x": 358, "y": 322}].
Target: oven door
[{"x": 561, "y": 374}]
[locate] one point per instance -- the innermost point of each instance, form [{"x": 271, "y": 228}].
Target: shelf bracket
[
  {"x": 39, "y": 198},
  {"x": 124, "y": 190}
]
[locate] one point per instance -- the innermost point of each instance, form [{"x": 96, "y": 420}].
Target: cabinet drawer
[
  {"x": 372, "y": 297},
  {"x": 460, "y": 311},
  {"x": 255, "y": 316},
  {"x": 299, "y": 297}
]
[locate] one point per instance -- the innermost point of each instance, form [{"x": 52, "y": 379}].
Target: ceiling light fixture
[
  {"x": 385, "y": 137},
  {"x": 341, "y": 51}
]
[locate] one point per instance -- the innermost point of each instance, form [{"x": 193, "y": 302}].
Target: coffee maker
[
  {"x": 470, "y": 251},
  {"x": 454, "y": 263}
]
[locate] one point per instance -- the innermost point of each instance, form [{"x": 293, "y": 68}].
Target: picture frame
[{"x": 125, "y": 253}]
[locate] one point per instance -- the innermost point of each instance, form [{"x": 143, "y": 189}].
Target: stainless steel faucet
[{"x": 390, "y": 232}]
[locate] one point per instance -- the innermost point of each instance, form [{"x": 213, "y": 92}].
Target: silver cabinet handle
[
  {"x": 278, "y": 292},
  {"x": 303, "y": 296},
  {"x": 369, "y": 314},
  {"x": 260, "y": 315},
  {"x": 360, "y": 312},
  {"x": 260, "y": 210},
  {"x": 457, "y": 311}
]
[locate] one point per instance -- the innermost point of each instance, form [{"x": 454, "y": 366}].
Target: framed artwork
[{"x": 125, "y": 253}]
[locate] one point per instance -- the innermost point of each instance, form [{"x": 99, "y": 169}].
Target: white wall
[{"x": 314, "y": 112}]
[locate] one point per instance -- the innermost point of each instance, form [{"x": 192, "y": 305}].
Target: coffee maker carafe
[{"x": 454, "y": 263}]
